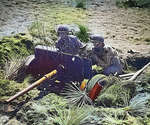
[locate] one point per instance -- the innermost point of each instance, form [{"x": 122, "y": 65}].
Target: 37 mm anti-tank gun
[
  {"x": 47, "y": 59},
  {"x": 64, "y": 68}
]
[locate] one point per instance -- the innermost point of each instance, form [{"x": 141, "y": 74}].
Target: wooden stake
[{"x": 138, "y": 72}]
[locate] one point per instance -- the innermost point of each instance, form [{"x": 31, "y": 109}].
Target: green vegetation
[
  {"x": 83, "y": 33},
  {"x": 138, "y": 105},
  {"x": 147, "y": 40},
  {"x": 118, "y": 116},
  {"x": 10, "y": 87},
  {"x": 76, "y": 96},
  {"x": 117, "y": 94},
  {"x": 15, "y": 46},
  {"x": 133, "y": 3},
  {"x": 80, "y": 4},
  {"x": 46, "y": 21},
  {"x": 122, "y": 107},
  {"x": 72, "y": 116},
  {"x": 118, "y": 103},
  {"x": 52, "y": 109}
]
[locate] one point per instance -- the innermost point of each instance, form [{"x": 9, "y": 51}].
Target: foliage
[
  {"x": 119, "y": 116},
  {"x": 113, "y": 119},
  {"x": 80, "y": 4},
  {"x": 14, "y": 121},
  {"x": 116, "y": 94},
  {"x": 34, "y": 29},
  {"x": 12, "y": 67},
  {"x": 138, "y": 105},
  {"x": 47, "y": 20},
  {"x": 72, "y": 116},
  {"x": 52, "y": 109},
  {"x": 76, "y": 96},
  {"x": 83, "y": 33},
  {"x": 14, "y": 46},
  {"x": 144, "y": 81},
  {"x": 10, "y": 88},
  {"x": 133, "y": 3}
]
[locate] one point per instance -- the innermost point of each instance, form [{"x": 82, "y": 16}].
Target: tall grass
[
  {"x": 138, "y": 105},
  {"x": 12, "y": 67},
  {"x": 76, "y": 96},
  {"x": 72, "y": 116},
  {"x": 51, "y": 15}
]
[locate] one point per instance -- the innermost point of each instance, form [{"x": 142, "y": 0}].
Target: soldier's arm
[{"x": 102, "y": 63}]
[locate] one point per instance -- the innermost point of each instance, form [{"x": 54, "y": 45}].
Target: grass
[
  {"x": 117, "y": 94},
  {"x": 138, "y": 105},
  {"x": 52, "y": 108},
  {"x": 49, "y": 16},
  {"x": 112, "y": 120},
  {"x": 10, "y": 88},
  {"x": 16, "y": 46},
  {"x": 12, "y": 67},
  {"x": 76, "y": 96},
  {"x": 72, "y": 116}
]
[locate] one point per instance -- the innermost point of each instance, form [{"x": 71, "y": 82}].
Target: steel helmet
[
  {"x": 63, "y": 29},
  {"x": 97, "y": 38}
]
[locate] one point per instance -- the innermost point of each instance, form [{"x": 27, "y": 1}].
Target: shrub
[
  {"x": 133, "y": 3},
  {"x": 147, "y": 40},
  {"x": 83, "y": 33},
  {"x": 14, "y": 46},
  {"x": 116, "y": 93},
  {"x": 80, "y": 4},
  {"x": 10, "y": 88}
]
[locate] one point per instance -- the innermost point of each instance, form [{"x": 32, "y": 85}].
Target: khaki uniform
[
  {"x": 107, "y": 56},
  {"x": 110, "y": 61}
]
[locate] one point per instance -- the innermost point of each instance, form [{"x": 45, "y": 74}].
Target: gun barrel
[{"x": 35, "y": 84}]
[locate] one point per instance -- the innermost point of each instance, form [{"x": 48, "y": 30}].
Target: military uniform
[
  {"x": 106, "y": 57},
  {"x": 70, "y": 45},
  {"x": 110, "y": 62},
  {"x": 67, "y": 43}
]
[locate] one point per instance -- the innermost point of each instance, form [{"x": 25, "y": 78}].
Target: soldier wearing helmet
[
  {"x": 67, "y": 43},
  {"x": 105, "y": 57}
]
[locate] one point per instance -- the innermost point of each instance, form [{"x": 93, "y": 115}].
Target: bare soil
[
  {"x": 15, "y": 17},
  {"x": 124, "y": 29}
]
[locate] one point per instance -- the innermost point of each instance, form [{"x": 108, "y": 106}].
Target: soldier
[
  {"x": 105, "y": 57},
  {"x": 67, "y": 43}
]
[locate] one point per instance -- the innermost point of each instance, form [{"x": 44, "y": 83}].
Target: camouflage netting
[
  {"x": 41, "y": 111},
  {"x": 117, "y": 92}
]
